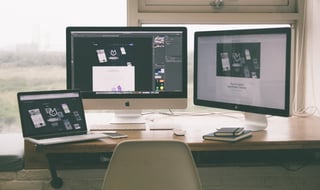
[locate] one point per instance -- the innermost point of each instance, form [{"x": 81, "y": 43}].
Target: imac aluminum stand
[
  {"x": 255, "y": 122},
  {"x": 127, "y": 117}
]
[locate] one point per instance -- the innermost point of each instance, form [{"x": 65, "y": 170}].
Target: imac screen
[
  {"x": 245, "y": 70},
  {"x": 128, "y": 68}
]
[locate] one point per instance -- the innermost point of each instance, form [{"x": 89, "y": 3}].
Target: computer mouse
[{"x": 179, "y": 132}]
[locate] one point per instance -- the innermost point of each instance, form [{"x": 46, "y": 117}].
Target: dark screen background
[
  {"x": 53, "y": 125},
  {"x": 138, "y": 52}
]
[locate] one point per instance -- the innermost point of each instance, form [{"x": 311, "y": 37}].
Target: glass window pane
[{"x": 32, "y": 48}]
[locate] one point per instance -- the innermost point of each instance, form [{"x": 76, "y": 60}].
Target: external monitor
[
  {"x": 128, "y": 69},
  {"x": 246, "y": 70}
]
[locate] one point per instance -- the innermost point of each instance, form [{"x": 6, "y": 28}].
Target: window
[
  {"x": 207, "y": 27},
  {"x": 32, "y": 48},
  {"x": 193, "y": 12}
]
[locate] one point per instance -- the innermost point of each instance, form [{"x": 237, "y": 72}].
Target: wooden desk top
[{"x": 281, "y": 133}]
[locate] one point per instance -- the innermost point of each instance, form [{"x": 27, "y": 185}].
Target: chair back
[{"x": 152, "y": 165}]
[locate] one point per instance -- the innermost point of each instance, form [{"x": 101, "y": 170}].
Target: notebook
[{"x": 53, "y": 117}]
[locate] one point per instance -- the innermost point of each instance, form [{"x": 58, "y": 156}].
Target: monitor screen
[
  {"x": 128, "y": 68},
  {"x": 245, "y": 70}
]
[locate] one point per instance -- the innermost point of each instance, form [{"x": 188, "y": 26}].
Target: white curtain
[{"x": 312, "y": 57}]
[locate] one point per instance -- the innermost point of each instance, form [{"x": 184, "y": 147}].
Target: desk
[{"x": 281, "y": 134}]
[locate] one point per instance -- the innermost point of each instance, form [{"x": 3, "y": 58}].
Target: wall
[{"x": 215, "y": 178}]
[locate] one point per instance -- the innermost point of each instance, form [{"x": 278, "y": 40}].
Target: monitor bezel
[
  {"x": 240, "y": 107},
  {"x": 121, "y": 101}
]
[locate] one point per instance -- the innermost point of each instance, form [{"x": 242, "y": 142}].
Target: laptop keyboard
[{"x": 74, "y": 138}]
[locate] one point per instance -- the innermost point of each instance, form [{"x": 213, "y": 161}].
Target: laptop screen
[{"x": 49, "y": 113}]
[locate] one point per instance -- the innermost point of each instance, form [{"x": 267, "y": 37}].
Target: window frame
[{"x": 296, "y": 18}]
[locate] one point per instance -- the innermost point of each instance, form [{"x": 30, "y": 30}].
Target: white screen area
[
  {"x": 113, "y": 79},
  {"x": 265, "y": 87}
]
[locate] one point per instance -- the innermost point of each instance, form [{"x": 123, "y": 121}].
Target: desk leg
[{"x": 56, "y": 182}]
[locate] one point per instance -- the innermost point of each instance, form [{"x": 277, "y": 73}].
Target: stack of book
[{"x": 230, "y": 134}]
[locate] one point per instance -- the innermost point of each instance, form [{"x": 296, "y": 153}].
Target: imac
[
  {"x": 128, "y": 69},
  {"x": 246, "y": 70}
]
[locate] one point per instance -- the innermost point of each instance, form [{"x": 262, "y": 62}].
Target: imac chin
[{"x": 130, "y": 111}]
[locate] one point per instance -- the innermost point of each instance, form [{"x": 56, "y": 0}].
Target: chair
[{"x": 152, "y": 165}]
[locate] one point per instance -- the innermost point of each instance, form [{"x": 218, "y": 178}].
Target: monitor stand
[
  {"x": 127, "y": 117},
  {"x": 255, "y": 122}
]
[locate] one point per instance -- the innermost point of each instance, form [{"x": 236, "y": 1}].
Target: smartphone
[{"x": 116, "y": 135}]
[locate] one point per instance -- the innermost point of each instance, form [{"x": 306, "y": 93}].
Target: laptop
[{"x": 53, "y": 117}]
